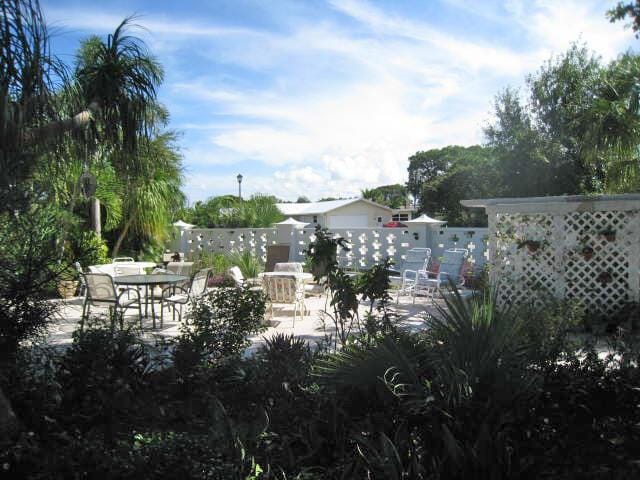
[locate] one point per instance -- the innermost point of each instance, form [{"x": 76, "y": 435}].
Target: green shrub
[
  {"x": 102, "y": 375},
  {"x": 217, "y": 326},
  {"x": 30, "y": 266},
  {"x": 218, "y": 262},
  {"x": 247, "y": 262}
]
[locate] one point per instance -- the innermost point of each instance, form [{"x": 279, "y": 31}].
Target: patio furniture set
[{"x": 124, "y": 285}]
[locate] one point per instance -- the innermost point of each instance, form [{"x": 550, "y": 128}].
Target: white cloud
[{"x": 329, "y": 107}]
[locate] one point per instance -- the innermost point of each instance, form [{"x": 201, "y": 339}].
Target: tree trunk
[
  {"x": 96, "y": 222},
  {"x": 122, "y": 236}
]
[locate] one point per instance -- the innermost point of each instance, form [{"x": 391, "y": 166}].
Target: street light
[{"x": 239, "y": 177}]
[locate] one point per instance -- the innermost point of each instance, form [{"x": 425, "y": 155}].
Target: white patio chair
[
  {"x": 285, "y": 289},
  {"x": 294, "y": 267},
  {"x": 175, "y": 296},
  {"x": 241, "y": 282},
  {"x": 101, "y": 292},
  {"x": 428, "y": 283},
  {"x": 122, "y": 260},
  {"x": 180, "y": 268},
  {"x": 416, "y": 259}
]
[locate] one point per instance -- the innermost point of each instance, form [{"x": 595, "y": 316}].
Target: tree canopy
[
  {"x": 394, "y": 196},
  {"x": 576, "y": 131}
]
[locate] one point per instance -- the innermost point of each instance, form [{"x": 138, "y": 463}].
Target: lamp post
[{"x": 239, "y": 177}]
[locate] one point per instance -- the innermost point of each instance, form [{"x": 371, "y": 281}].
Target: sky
[{"x": 326, "y": 98}]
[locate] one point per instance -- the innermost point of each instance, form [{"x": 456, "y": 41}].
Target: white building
[{"x": 352, "y": 213}]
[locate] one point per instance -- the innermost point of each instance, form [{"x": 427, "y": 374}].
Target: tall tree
[
  {"x": 613, "y": 125},
  {"x": 623, "y": 10},
  {"x": 561, "y": 92},
  {"x": 471, "y": 173},
  {"x": 394, "y": 196},
  {"x": 425, "y": 167},
  {"x": 153, "y": 193},
  {"x": 119, "y": 79}
]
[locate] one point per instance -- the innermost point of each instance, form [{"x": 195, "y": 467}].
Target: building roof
[
  {"x": 487, "y": 202},
  {"x": 320, "y": 208}
]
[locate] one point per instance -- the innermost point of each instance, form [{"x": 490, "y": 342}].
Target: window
[
  {"x": 315, "y": 219},
  {"x": 379, "y": 219},
  {"x": 400, "y": 217}
]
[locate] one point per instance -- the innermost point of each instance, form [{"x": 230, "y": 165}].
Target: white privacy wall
[
  {"x": 367, "y": 245},
  {"x": 563, "y": 227}
]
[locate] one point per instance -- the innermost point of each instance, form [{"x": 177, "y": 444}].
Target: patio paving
[{"x": 314, "y": 326}]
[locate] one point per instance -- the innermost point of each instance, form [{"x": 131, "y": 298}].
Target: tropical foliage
[
  {"x": 229, "y": 211},
  {"x": 394, "y": 196}
]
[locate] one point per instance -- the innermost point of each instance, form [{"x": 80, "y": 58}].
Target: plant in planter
[
  {"x": 609, "y": 234},
  {"x": 455, "y": 238},
  {"x": 532, "y": 245},
  {"x": 604, "y": 278},
  {"x": 587, "y": 252},
  {"x": 68, "y": 282}
]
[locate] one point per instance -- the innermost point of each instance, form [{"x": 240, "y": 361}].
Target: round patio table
[{"x": 153, "y": 280}]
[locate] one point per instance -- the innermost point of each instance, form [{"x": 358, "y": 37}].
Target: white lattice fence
[{"x": 574, "y": 250}]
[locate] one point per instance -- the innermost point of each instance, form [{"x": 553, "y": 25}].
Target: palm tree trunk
[{"x": 122, "y": 236}]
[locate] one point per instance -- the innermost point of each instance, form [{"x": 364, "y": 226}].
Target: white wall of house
[{"x": 358, "y": 215}]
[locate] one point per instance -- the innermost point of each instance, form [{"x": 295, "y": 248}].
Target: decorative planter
[
  {"x": 67, "y": 288},
  {"x": 533, "y": 247},
  {"x": 587, "y": 253},
  {"x": 604, "y": 278}
]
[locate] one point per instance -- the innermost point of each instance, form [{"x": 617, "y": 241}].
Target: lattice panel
[
  {"x": 600, "y": 280},
  {"x": 574, "y": 259},
  {"x": 520, "y": 271}
]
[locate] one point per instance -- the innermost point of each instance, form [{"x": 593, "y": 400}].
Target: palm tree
[
  {"x": 118, "y": 80},
  {"x": 613, "y": 122},
  {"x": 153, "y": 194}
]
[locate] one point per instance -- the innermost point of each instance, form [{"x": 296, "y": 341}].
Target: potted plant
[
  {"x": 587, "y": 252},
  {"x": 68, "y": 282},
  {"x": 604, "y": 278},
  {"x": 455, "y": 238},
  {"x": 532, "y": 245},
  {"x": 609, "y": 234}
]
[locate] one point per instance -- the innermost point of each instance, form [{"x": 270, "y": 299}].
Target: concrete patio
[{"x": 314, "y": 327}]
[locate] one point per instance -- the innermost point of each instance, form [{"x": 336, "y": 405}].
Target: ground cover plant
[{"x": 484, "y": 392}]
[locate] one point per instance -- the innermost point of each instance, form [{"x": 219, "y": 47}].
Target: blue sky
[{"x": 325, "y": 98}]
